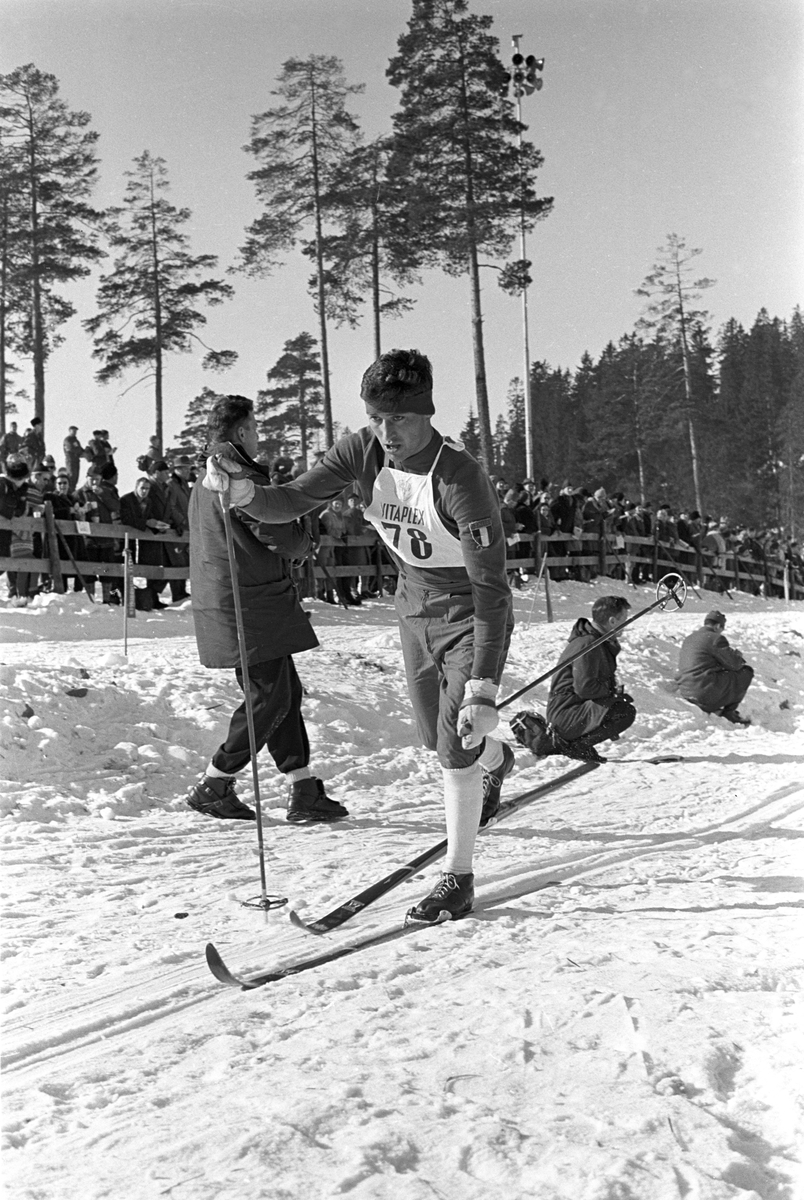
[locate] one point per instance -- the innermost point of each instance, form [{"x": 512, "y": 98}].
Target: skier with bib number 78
[{"x": 435, "y": 508}]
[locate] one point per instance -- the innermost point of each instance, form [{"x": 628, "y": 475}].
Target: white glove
[
  {"x": 222, "y": 475},
  {"x": 477, "y": 716}
]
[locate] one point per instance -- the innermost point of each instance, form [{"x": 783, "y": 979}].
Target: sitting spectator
[
  {"x": 711, "y": 674},
  {"x": 586, "y": 705}
]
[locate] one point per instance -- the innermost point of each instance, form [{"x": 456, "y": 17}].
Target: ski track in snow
[{"x": 632, "y": 1033}]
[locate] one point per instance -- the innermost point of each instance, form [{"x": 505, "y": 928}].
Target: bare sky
[{"x": 656, "y": 117}]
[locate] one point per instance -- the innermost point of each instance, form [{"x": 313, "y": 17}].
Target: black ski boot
[
  {"x": 579, "y": 749},
  {"x": 731, "y": 714},
  {"x": 530, "y": 729},
  {"x": 309, "y": 804},
  {"x": 217, "y": 798},
  {"x": 492, "y": 785},
  {"x": 452, "y": 897}
]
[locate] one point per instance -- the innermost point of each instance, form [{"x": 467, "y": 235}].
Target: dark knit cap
[
  {"x": 17, "y": 469},
  {"x": 715, "y": 617}
]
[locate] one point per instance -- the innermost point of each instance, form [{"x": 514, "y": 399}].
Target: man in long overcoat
[{"x": 275, "y": 627}]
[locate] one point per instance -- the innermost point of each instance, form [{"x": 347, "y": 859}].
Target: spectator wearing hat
[
  {"x": 101, "y": 487},
  {"x": 155, "y": 554},
  {"x": 73, "y": 453},
  {"x": 710, "y": 673},
  {"x": 153, "y": 452},
  {"x": 33, "y": 444},
  {"x": 9, "y": 444},
  {"x": 586, "y": 704},
  {"x": 14, "y": 503},
  {"x": 179, "y": 488},
  {"x": 62, "y": 500}
]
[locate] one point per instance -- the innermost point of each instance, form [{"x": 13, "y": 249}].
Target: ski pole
[
  {"x": 673, "y": 585},
  {"x": 330, "y": 580},
  {"x": 81, "y": 579},
  {"x": 265, "y": 901},
  {"x": 536, "y": 591}
]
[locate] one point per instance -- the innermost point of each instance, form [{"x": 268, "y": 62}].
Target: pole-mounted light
[{"x": 525, "y": 78}]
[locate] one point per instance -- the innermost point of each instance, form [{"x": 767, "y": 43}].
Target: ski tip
[{"x": 300, "y": 923}]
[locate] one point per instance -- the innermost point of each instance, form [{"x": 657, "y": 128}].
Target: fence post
[
  {"x": 53, "y": 549},
  {"x": 655, "y": 555}
]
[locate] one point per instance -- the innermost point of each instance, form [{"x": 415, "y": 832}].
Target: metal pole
[
  {"x": 675, "y": 589},
  {"x": 523, "y": 254},
  {"x": 526, "y": 381},
  {"x": 126, "y": 586},
  {"x": 265, "y": 902}
]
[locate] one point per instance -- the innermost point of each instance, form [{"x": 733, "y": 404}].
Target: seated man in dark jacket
[
  {"x": 710, "y": 673},
  {"x": 275, "y": 627},
  {"x": 586, "y": 705}
]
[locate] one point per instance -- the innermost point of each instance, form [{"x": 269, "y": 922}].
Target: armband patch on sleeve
[{"x": 481, "y": 532}]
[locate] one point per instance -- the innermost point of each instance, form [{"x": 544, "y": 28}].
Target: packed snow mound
[
  {"x": 99, "y": 732},
  {"x": 618, "y": 1020}
]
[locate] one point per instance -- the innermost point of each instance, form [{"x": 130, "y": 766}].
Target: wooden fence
[{"x": 566, "y": 556}]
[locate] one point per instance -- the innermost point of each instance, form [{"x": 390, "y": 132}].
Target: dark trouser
[
  {"x": 727, "y": 693},
  {"x": 740, "y": 684},
  {"x": 619, "y": 717},
  {"x": 437, "y": 630},
  {"x": 276, "y": 696}
]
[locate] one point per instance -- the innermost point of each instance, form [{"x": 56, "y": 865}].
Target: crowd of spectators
[
  {"x": 530, "y": 513},
  {"x": 158, "y": 503},
  {"x": 615, "y": 521}
]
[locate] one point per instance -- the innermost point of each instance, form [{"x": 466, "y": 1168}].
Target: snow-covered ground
[{"x": 631, "y": 1033}]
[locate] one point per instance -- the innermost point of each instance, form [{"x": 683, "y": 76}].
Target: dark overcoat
[
  {"x": 582, "y": 692},
  {"x": 710, "y": 673},
  {"x": 275, "y": 624}
]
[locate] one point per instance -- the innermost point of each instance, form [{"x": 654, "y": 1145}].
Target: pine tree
[
  {"x": 147, "y": 305},
  {"x": 366, "y": 253},
  {"x": 670, "y": 294},
  {"x": 50, "y": 169},
  {"x": 513, "y": 449},
  {"x": 293, "y": 400},
  {"x": 790, "y": 427},
  {"x": 13, "y": 291},
  {"x": 470, "y": 435},
  {"x": 193, "y": 438},
  {"x": 461, "y": 180},
  {"x": 298, "y": 145},
  {"x": 498, "y": 443}
]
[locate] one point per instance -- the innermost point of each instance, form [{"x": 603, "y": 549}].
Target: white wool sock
[
  {"x": 492, "y": 756},
  {"x": 463, "y": 804},
  {"x": 214, "y": 773},
  {"x": 299, "y": 774}
]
